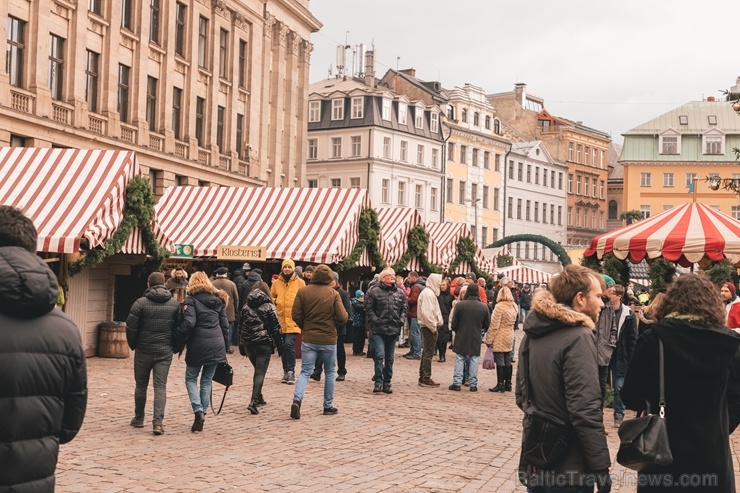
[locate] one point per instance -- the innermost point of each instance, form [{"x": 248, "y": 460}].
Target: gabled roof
[{"x": 697, "y": 115}]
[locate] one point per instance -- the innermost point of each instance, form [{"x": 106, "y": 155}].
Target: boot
[
  {"x": 507, "y": 381},
  {"x": 252, "y": 407},
  {"x": 200, "y": 418},
  {"x": 261, "y": 400},
  {"x": 500, "y": 377}
]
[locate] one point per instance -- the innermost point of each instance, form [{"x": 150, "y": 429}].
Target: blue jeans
[
  {"x": 199, "y": 399},
  {"x": 146, "y": 365},
  {"x": 617, "y": 382},
  {"x": 462, "y": 361},
  {"x": 385, "y": 347},
  {"x": 310, "y": 352},
  {"x": 288, "y": 352},
  {"x": 414, "y": 337}
]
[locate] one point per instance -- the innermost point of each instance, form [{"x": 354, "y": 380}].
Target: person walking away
[
  {"x": 558, "y": 376},
  {"x": 417, "y": 285},
  {"x": 206, "y": 328},
  {"x": 386, "y": 311},
  {"x": 259, "y": 336},
  {"x": 606, "y": 336},
  {"x": 699, "y": 353},
  {"x": 43, "y": 389},
  {"x": 150, "y": 331},
  {"x": 358, "y": 323},
  {"x": 249, "y": 284},
  {"x": 500, "y": 338},
  {"x": 341, "y": 333},
  {"x": 317, "y": 309},
  {"x": 469, "y": 320},
  {"x": 444, "y": 300},
  {"x": 429, "y": 318},
  {"x": 284, "y": 289},
  {"x": 626, "y": 339},
  {"x": 222, "y": 282}
]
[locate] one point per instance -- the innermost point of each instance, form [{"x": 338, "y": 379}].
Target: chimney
[
  {"x": 411, "y": 72},
  {"x": 710, "y": 99},
  {"x": 370, "y": 68},
  {"x": 520, "y": 91}
]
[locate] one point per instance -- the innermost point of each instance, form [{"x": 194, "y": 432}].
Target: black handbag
[
  {"x": 225, "y": 376},
  {"x": 644, "y": 439}
]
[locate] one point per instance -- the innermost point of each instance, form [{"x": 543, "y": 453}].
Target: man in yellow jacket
[{"x": 284, "y": 290}]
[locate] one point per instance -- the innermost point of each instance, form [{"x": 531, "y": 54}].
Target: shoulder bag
[
  {"x": 644, "y": 439},
  {"x": 225, "y": 376}
]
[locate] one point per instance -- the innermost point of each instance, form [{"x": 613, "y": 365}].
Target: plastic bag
[{"x": 488, "y": 362}]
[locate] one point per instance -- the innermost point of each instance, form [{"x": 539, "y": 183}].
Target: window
[
  {"x": 560, "y": 215},
  {"x": 497, "y": 162},
  {"x": 91, "y": 81},
  {"x": 578, "y": 217},
  {"x": 200, "y": 109},
  {"x": 536, "y": 175},
  {"x": 464, "y": 115},
  {"x": 595, "y": 155},
  {"x": 461, "y": 193},
  {"x": 337, "y": 109},
  {"x": 354, "y": 182},
  {"x": 223, "y": 54},
  {"x": 154, "y": 21},
  {"x": 404, "y": 151},
  {"x": 552, "y": 213},
  {"x": 603, "y": 160},
  {"x": 510, "y": 210},
  {"x": 434, "y": 122},
  {"x": 712, "y": 145},
  {"x": 526, "y": 249},
  {"x": 313, "y": 148},
  {"x": 336, "y": 147},
  {"x": 529, "y": 173},
  {"x": 579, "y": 147},
  {"x": 601, "y": 188},
  {"x": 450, "y": 151},
  {"x": 202, "y": 42},
  {"x": 735, "y": 211},
  {"x": 240, "y": 136},
  {"x": 484, "y": 235},
  {"x": 495, "y": 199},
  {"x": 15, "y": 51},
  {"x": 177, "y": 114},
  {"x": 475, "y": 157},
  {"x": 314, "y": 111},
  {"x": 486, "y": 160},
  {"x": 435, "y": 158},
  {"x": 123, "y": 90},
  {"x": 387, "y": 147},
  {"x": 518, "y": 208},
  {"x": 612, "y": 210},
  {"x": 586, "y": 182},
  {"x": 386, "y": 109},
  {"x": 511, "y": 170},
  {"x": 476, "y": 119},
  {"x": 220, "y": 127},
  {"x": 578, "y": 185},
  {"x": 474, "y": 193},
  {"x": 668, "y": 180},
  {"x": 536, "y": 211},
  {"x": 645, "y": 210},
  {"x": 356, "y": 141},
  {"x": 151, "y": 103},
  {"x": 402, "y": 111},
  {"x": 401, "y": 193},
  {"x": 669, "y": 145},
  {"x": 451, "y": 112},
  {"x": 419, "y": 117},
  {"x": 180, "y": 10},
  {"x": 385, "y": 191},
  {"x": 601, "y": 220},
  {"x": 587, "y": 154},
  {"x": 497, "y": 126},
  {"x": 418, "y": 196},
  {"x": 313, "y": 183},
  {"x": 420, "y": 155},
  {"x": 56, "y": 67},
  {"x": 485, "y": 197},
  {"x": 495, "y": 234},
  {"x": 560, "y": 182},
  {"x": 94, "y": 6},
  {"x": 463, "y": 154},
  {"x": 448, "y": 193},
  {"x": 570, "y": 216},
  {"x": 126, "y": 14},
  {"x": 520, "y": 172},
  {"x": 487, "y": 121},
  {"x": 593, "y": 188},
  {"x": 358, "y": 109},
  {"x": 712, "y": 119},
  {"x": 527, "y": 209},
  {"x": 242, "y": 75},
  {"x": 544, "y": 177},
  {"x": 690, "y": 177},
  {"x": 570, "y": 183},
  {"x": 646, "y": 179},
  {"x": 570, "y": 151},
  {"x": 336, "y": 183},
  {"x": 433, "y": 199}
]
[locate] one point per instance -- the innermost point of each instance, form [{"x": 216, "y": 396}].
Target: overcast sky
[{"x": 612, "y": 64}]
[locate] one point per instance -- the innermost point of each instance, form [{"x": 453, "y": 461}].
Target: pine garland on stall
[
  {"x": 466, "y": 252},
  {"x": 418, "y": 242},
  {"x": 368, "y": 238}
]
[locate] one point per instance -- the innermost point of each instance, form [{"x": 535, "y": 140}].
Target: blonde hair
[
  {"x": 200, "y": 280},
  {"x": 504, "y": 294}
]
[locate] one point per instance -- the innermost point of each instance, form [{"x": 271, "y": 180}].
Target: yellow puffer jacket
[
  {"x": 501, "y": 331},
  {"x": 283, "y": 293}
]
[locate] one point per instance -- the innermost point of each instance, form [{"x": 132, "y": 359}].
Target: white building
[{"x": 363, "y": 136}]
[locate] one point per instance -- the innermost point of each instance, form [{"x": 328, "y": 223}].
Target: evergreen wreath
[
  {"x": 504, "y": 260},
  {"x": 368, "y": 238},
  {"x": 138, "y": 210},
  {"x": 466, "y": 252},
  {"x": 417, "y": 244}
]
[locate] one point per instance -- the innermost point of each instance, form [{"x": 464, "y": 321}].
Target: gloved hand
[{"x": 603, "y": 482}]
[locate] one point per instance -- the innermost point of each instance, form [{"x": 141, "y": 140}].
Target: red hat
[{"x": 732, "y": 288}]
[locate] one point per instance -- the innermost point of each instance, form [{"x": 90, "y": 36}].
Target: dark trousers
[
  {"x": 385, "y": 347},
  {"x": 146, "y": 365},
  {"x": 442, "y": 339},
  {"x": 428, "y": 343},
  {"x": 259, "y": 355},
  {"x": 288, "y": 352},
  {"x": 358, "y": 344},
  {"x": 341, "y": 359},
  {"x": 603, "y": 377}
]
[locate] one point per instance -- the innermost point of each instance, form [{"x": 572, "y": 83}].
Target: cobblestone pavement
[{"x": 418, "y": 439}]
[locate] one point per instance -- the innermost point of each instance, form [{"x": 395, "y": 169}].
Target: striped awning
[
  {"x": 524, "y": 274},
  {"x": 395, "y": 224},
  {"x": 69, "y": 194},
  {"x": 305, "y": 224},
  {"x": 444, "y": 237}
]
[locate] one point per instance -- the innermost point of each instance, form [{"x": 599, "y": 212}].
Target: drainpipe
[{"x": 505, "y": 208}]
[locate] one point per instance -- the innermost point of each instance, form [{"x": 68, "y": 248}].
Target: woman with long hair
[
  {"x": 445, "y": 300},
  {"x": 647, "y": 315},
  {"x": 500, "y": 337},
  {"x": 206, "y": 328}
]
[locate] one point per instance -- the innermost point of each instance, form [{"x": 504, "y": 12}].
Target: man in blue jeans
[
  {"x": 626, "y": 339},
  {"x": 317, "y": 309},
  {"x": 417, "y": 284}
]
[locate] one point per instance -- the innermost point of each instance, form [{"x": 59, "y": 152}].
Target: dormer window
[
  {"x": 451, "y": 112},
  {"x": 712, "y": 119},
  {"x": 476, "y": 119},
  {"x": 488, "y": 122},
  {"x": 497, "y": 126},
  {"x": 386, "y": 109},
  {"x": 337, "y": 109},
  {"x": 419, "y": 117},
  {"x": 713, "y": 142},
  {"x": 434, "y": 122},
  {"x": 358, "y": 108},
  {"x": 670, "y": 142},
  {"x": 402, "y": 112},
  {"x": 683, "y": 120},
  {"x": 314, "y": 111}
]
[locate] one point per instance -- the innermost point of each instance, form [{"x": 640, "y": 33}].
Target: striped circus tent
[
  {"x": 305, "y": 224},
  {"x": 444, "y": 237},
  {"x": 70, "y": 194}
]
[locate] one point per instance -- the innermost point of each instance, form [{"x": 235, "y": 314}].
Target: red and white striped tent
[
  {"x": 445, "y": 236},
  {"x": 70, "y": 194},
  {"x": 684, "y": 234},
  {"x": 304, "y": 224},
  {"x": 395, "y": 224},
  {"x": 519, "y": 272}
]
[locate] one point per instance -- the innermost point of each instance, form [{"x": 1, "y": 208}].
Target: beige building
[{"x": 206, "y": 92}]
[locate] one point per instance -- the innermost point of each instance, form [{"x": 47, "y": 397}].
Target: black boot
[
  {"x": 252, "y": 407},
  {"x": 500, "y": 377},
  {"x": 507, "y": 381},
  {"x": 200, "y": 418},
  {"x": 295, "y": 409},
  {"x": 261, "y": 400}
]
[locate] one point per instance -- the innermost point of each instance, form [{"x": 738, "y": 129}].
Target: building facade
[
  {"x": 206, "y": 92},
  {"x": 615, "y": 188}
]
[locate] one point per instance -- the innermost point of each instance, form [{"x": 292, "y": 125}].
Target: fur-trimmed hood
[
  {"x": 550, "y": 316},
  {"x": 205, "y": 288}
]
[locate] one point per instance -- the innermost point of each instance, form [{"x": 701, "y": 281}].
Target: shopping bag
[{"x": 488, "y": 363}]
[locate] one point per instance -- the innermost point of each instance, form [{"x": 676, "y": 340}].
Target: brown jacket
[
  {"x": 229, "y": 288},
  {"x": 318, "y": 309}
]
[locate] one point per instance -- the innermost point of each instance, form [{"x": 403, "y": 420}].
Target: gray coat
[
  {"x": 606, "y": 333},
  {"x": 564, "y": 380},
  {"x": 469, "y": 318}
]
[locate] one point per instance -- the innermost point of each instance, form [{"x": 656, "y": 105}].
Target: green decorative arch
[
  {"x": 556, "y": 248},
  {"x": 418, "y": 241},
  {"x": 368, "y": 238},
  {"x": 467, "y": 249}
]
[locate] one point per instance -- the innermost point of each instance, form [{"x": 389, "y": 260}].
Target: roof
[
  {"x": 395, "y": 224},
  {"x": 69, "y": 194},
  {"x": 305, "y": 224},
  {"x": 697, "y": 113},
  {"x": 616, "y": 170},
  {"x": 327, "y": 87},
  {"x": 446, "y": 236}
]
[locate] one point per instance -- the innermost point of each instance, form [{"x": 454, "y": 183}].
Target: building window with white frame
[
  {"x": 435, "y": 158},
  {"x": 570, "y": 216},
  {"x": 486, "y": 160},
  {"x": 475, "y": 157},
  {"x": 735, "y": 212},
  {"x": 518, "y": 208},
  {"x": 669, "y": 144},
  {"x": 151, "y": 103},
  {"x": 336, "y": 147},
  {"x": 578, "y": 217},
  {"x": 450, "y": 187},
  {"x": 433, "y": 199},
  {"x": 223, "y": 54},
  {"x": 544, "y": 177},
  {"x": 356, "y": 141},
  {"x": 536, "y": 175},
  {"x": 510, "y": 209},
  {"x": 593, "y": 187},
  {"x": 95, "y": 6},
  {"x": 645, "y": 210},
  {"x": 402, "y": 193},
  {"x": 690, "y": 177},
  {"x": 386, "y": 147},
  {"x": 461, "y": 193},
  {"x": 386, "y": 109},
  {"x": 495, "y": 234},
  {"x": 404, "y": 151},
  {"x": 314, "y": 111},
  {"x": 337, "y": 109},
  {"x": 434, "y": 122},
  {"x": 484, "y": 201},
  {"x": 419, "y": 117},
  {"x": 570, "y": 151},
  {"x": 668, "y": 180},
  {"x": 313, "y": 183},
  {"x": 570, "y": 183},
  {"x": 402, "y": 112},
  {"x": 560, "y": 181},
  {"x": 450, "y": 151},
  {"x": 496, "y": 194},
  {"x": 420, "y": 155},
  {"x": 646, "y": 179},
  {"x": 603, "y": 159},
  {"x": 313, "y": 148},
  {"x": 358, "y": 107},
  {"x": 336, "y": 183},
  {"x": 354, "y": 182},
  {"x": 385, "y": 191},
  {"x": 464, "y": 115},
  {"x": 474, "y": 192},
  {"x": 527, "y": 215},
  {"x": 487, "y": 122},
  {"x": 536, "y": 212},
  {"x": 586, "y": 183},
  {"x": 497, "y": 126},
  {"x": 601, "y": 189},
  {"x": 579, "y": 156},
  {"x": 418, "y": 201},
  {"x": 713, "y": 145},
  {"x": 15, "y": 51},
  {"x": 180, "y": 11},
  {"x": 596, "y": 154},
  {"x": 578, "y": 185},
  {"x": 464, "y": 155},
  {"x": 127, "y": 17},
  {"x": 587, "y": 155},
  {"x": 91, "y": 81},
  {"x": 476, "y": 119},
  {"x": 56, "y": 67}
]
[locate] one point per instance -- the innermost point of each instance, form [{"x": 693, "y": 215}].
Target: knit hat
[
  {"x": 609, "y": 281},
  {"x": 387, "y": 272},
  {"x": 308, "y": 268},
  {"x": 732, "y": 288},
  {"x": 470, "y": 275},
  {"x": 246, "y": 266},
  {"x": 298, "y": 270},
  {"x": 288, "y": 262},
  {"x": 359, "y": 293}
]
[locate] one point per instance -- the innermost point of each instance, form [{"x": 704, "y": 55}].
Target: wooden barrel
[{"x": 112, "y": 340}]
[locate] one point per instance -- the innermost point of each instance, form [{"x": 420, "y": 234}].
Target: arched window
[
  {"x": 497, "y": 126},
  {"x": 612, "y": 209},
  {"x": 464, "y": 117},
  {"x": 488, "y": 122},
  {"x": 476, "y": 119},
  {"x": 451, "y": 112}
]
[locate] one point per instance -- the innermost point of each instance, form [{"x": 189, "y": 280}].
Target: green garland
[
  {"x": 556, "y": 248},
  {"x": 466, "y": 251},
  {"x": 660, "y": 272},
  {"x": 504, "y": 260},
  {"x": 138, "y": 211},
  {"x": 720, "y": 272},
  {"x": 368, "y": 238},
  {"x": 417, "y": 244}
]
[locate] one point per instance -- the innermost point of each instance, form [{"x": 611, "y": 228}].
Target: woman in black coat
[
  {"x": 699, "y": 352},
  {"x": 445, "y": 300},
  {"x": 206, "y": 328}
]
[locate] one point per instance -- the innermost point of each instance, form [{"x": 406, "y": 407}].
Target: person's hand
[
  {"x": 489, "y": 345},
  {"x": 603, "y": 482}
]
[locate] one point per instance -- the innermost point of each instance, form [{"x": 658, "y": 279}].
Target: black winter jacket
[
  {"x": 626, "y": 340},
  {"x": 347, "y": 304},
  {"x": 43, "y": 389},
  {"x": 204, "y": 324},
  {"x": 469, "y": 319},
  {"x": 246, "y": 286},
  {"x": 385, "y": 309},
  {"x": 152, "y": 322},
  {"x": 445, "y": 300},
  {"x": 259, "y": 324},
  {"x": 525, "y": 300}
]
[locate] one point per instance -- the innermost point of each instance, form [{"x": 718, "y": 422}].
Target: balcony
[
  {"x": 96, "y": 124},
  {"x": 156, "y": 142},
  {"x": 204, "y": 156},
  {"x": 61, "y": 113},
  {"x": 224, "y": 162},
  {"x": 22, "y": 101},
  {"x": 244, "y": 168},
  {"x": 128, "y": 133},
  {"x": 181, "y": 150}
]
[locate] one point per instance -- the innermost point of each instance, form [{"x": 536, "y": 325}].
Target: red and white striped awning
[
  {"x": 684, "y": 234},
  {"x": 444, "y": 237},
  {"x": 524, "y": 274},
  {"x": 305, "y": 224},
  {"x": 69, "y": 194},
  {"x": 395, "y": 224}
]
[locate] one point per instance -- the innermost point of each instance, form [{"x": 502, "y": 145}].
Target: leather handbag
[
  {"x": 225, "y": 376},
  {"x": 644, "y": 439}
]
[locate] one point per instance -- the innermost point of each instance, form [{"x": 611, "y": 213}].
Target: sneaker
[
  {"x": 387, "y": 389},
  {"x": 291, "y": 377},
  {"x": 441, "y": 360},
  {"x": 340, "y": 378},
  {"x": 454, "y": 387},
  {"x": 158, "y": 430},
  {"x": 315, "y": 376},
  {"x": 377, "y": 388},
  {"x": 473, "y": 388},
  {"x": 285, "y": 378},
  {"x": 411, "y": 356},
  {"x": 428, "y": 383},
  {"x": 295, "y": 409},
  {"x": 136, "y": 423},
  {"x": 330, "y": 411},
  {"x": 618, "y": 420},
  {"x": 359, "y": 354}
]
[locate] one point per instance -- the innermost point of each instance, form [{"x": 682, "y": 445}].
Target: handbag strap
[
  {"x": 661, "y": 388},
  {"x": 222, "y": 401}
]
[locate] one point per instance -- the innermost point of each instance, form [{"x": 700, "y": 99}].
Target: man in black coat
[
  {"x": 43, "y": 389},
  {"x": 150, "y": 332},
  {"x": 470, "y": 318},
  {"x": 626, "y": 339}
]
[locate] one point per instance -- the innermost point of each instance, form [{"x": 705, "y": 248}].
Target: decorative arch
[{"x": 556, "y": 248}]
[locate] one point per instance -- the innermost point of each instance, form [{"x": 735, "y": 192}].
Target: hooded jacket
[
  {"x": 252, "y": 281},
  {"x": 413, "y": 297},
  {"x": 259, "y": 324},
  {"x": 698, "y": 362},
  {"x": 152, "y": 322},
  {"x": 564, "y": 381},
  {"x": 626, "y": 339},
  {"x": 445, "y": 300},
  {"x": 318, "y": 308},
  {"x": 43, "y": 389},
  {"x": 205, "y": 325},
  {"x": 500, "y": 334},
  {"x": 428, "y": 313},
  {"x": 386, "y": 309},
  {"x": 283, "y": 294},
  {"x": 469, "y": 319}
]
